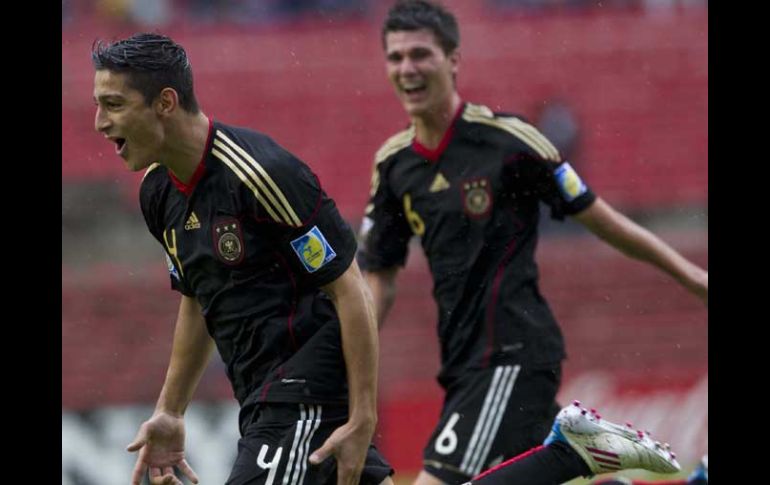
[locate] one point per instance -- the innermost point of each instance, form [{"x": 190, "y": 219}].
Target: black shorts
[
  {"x": 275, "y": 447},
  {"x": 490, "y": 416}
]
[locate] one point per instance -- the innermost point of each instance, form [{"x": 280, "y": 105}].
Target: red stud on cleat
[
  {"x": 673, "y": 455},
  {"x": 629, "y": 425},
  {"x": 576, "y": 403},
  {"x": 598, "y": 416},
  {"x": 593, "y": 411}
]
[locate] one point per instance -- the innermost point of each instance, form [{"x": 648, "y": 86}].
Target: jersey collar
[
  {"x": 433, "y": 155},
  {"x": 187, "y": 189}
]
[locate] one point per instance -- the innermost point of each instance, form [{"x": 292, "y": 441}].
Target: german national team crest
[
  {"x": 228, "y": 241},
  {"x": 477, "y": 197}
]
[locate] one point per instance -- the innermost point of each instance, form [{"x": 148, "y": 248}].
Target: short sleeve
[
  {"x": 384, "y": 234},
  {"x": 535, "y": 167},
  {"x": 283, "y": 194}
]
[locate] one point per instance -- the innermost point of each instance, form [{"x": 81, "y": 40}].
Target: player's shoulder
[
  {"x": 394, "y": 144},
  {"x": 246, "y": 151},
  {"x": 513, "y": 128},
  {"x": 281, "y": 184},
  {"x": 153, "y": 180},
  {"x": 242, "y": 142},
  {"x": 479, "y": 113}
]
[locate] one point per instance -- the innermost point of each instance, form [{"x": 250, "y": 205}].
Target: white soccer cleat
[{"x": 608, "y": 447}]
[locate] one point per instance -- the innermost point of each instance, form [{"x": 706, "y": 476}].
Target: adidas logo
[
  {"x": 439, "y": 183},
  {"x": 192, "y": 222}
]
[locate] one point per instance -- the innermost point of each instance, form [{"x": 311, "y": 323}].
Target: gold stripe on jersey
[
  {"x": 394, "y": 144},
  {"x": 269, "y": 187},
  {"x": 246, "y": 180},
  {"x": 150, "y": 169},
  {"x": 245, "y": 170},
  {"x": 524, "y": 131},
  {"x": 535, "y": 135}
]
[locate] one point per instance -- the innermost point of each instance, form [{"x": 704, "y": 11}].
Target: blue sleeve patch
[
  {"x": 313, "y": 250},
  {"x": 569, "y": 182},
  {"x": 171, "y": 268}
]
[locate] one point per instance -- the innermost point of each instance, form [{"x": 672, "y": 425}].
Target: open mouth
[
  {"x": 414, "y": 89},
  {"x": 120, "y": 143}
]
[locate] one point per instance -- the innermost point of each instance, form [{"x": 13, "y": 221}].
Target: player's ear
[
  {"x": 167, "y": 101},
  {"x": 454, "y": 59}
]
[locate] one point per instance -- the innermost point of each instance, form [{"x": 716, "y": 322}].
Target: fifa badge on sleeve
[
  {"x": 313, "y": 250},
  {"x": 569, "y": 182}
]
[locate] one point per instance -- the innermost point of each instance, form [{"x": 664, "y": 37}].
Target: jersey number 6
[{"x": 415, "y": 221}]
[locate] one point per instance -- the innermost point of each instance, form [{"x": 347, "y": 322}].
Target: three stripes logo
[
  {"x": 192, "y": 222},
  {"x": 605, "y": 459},
  {"x": 296, "y": 466},
  {"x": 495, "y": 402},
  {"x": 256, "y": 178}
]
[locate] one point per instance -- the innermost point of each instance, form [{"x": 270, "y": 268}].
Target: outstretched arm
[
  {"x": 160, "y": 440},
  {"x": 639, "y": 243},
  {"x": 350, "y": 442},
  {"x": 383, "y": 286}
]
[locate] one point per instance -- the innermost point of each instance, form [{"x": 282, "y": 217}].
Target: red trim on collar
[
  {"x": 187, "y": 189},
  {"x": 433, "y": 155}
]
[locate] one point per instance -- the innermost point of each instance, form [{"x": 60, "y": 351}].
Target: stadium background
[{"x": 634, "y": 75}]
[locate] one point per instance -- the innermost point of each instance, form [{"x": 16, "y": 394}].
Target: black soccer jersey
[
  {"x": 474, "y": 203},
  {"x": 252, "y": 237}
]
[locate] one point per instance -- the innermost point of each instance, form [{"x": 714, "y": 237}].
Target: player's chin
[
  {"x": 136, "y": 165},
  {"x": 414, "y": 109}
]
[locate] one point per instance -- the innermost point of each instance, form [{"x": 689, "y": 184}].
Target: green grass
[
  {"x": 408, "y": 478},
  {"x": 637, "y": 475}
]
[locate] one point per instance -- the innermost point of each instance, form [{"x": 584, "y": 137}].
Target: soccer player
[
  {"x": 266, "y": 270},
  {"x": 468, "y": 182}
]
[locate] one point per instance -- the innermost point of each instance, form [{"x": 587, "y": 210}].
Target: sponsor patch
[
  {"x": 569, "y": 182},
  {"x": 171, "y": 268},
  {"x": 313, "y": 250}
]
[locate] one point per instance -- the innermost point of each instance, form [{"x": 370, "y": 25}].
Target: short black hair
[
  {"x": 152, "y": 62},
  {"x": 422, "y": 14}
]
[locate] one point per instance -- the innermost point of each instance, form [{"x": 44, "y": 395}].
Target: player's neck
[
  {"x": 430, "y": 127},
  {"x": 185, "y": 152}
]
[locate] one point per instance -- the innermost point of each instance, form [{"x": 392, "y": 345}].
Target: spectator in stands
[
  {"x": 468, "y": 182},
  {"x": 266, "y": 270},
  {"x": 557, "y": 121},
  {"x": 271, "y": 11}
]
